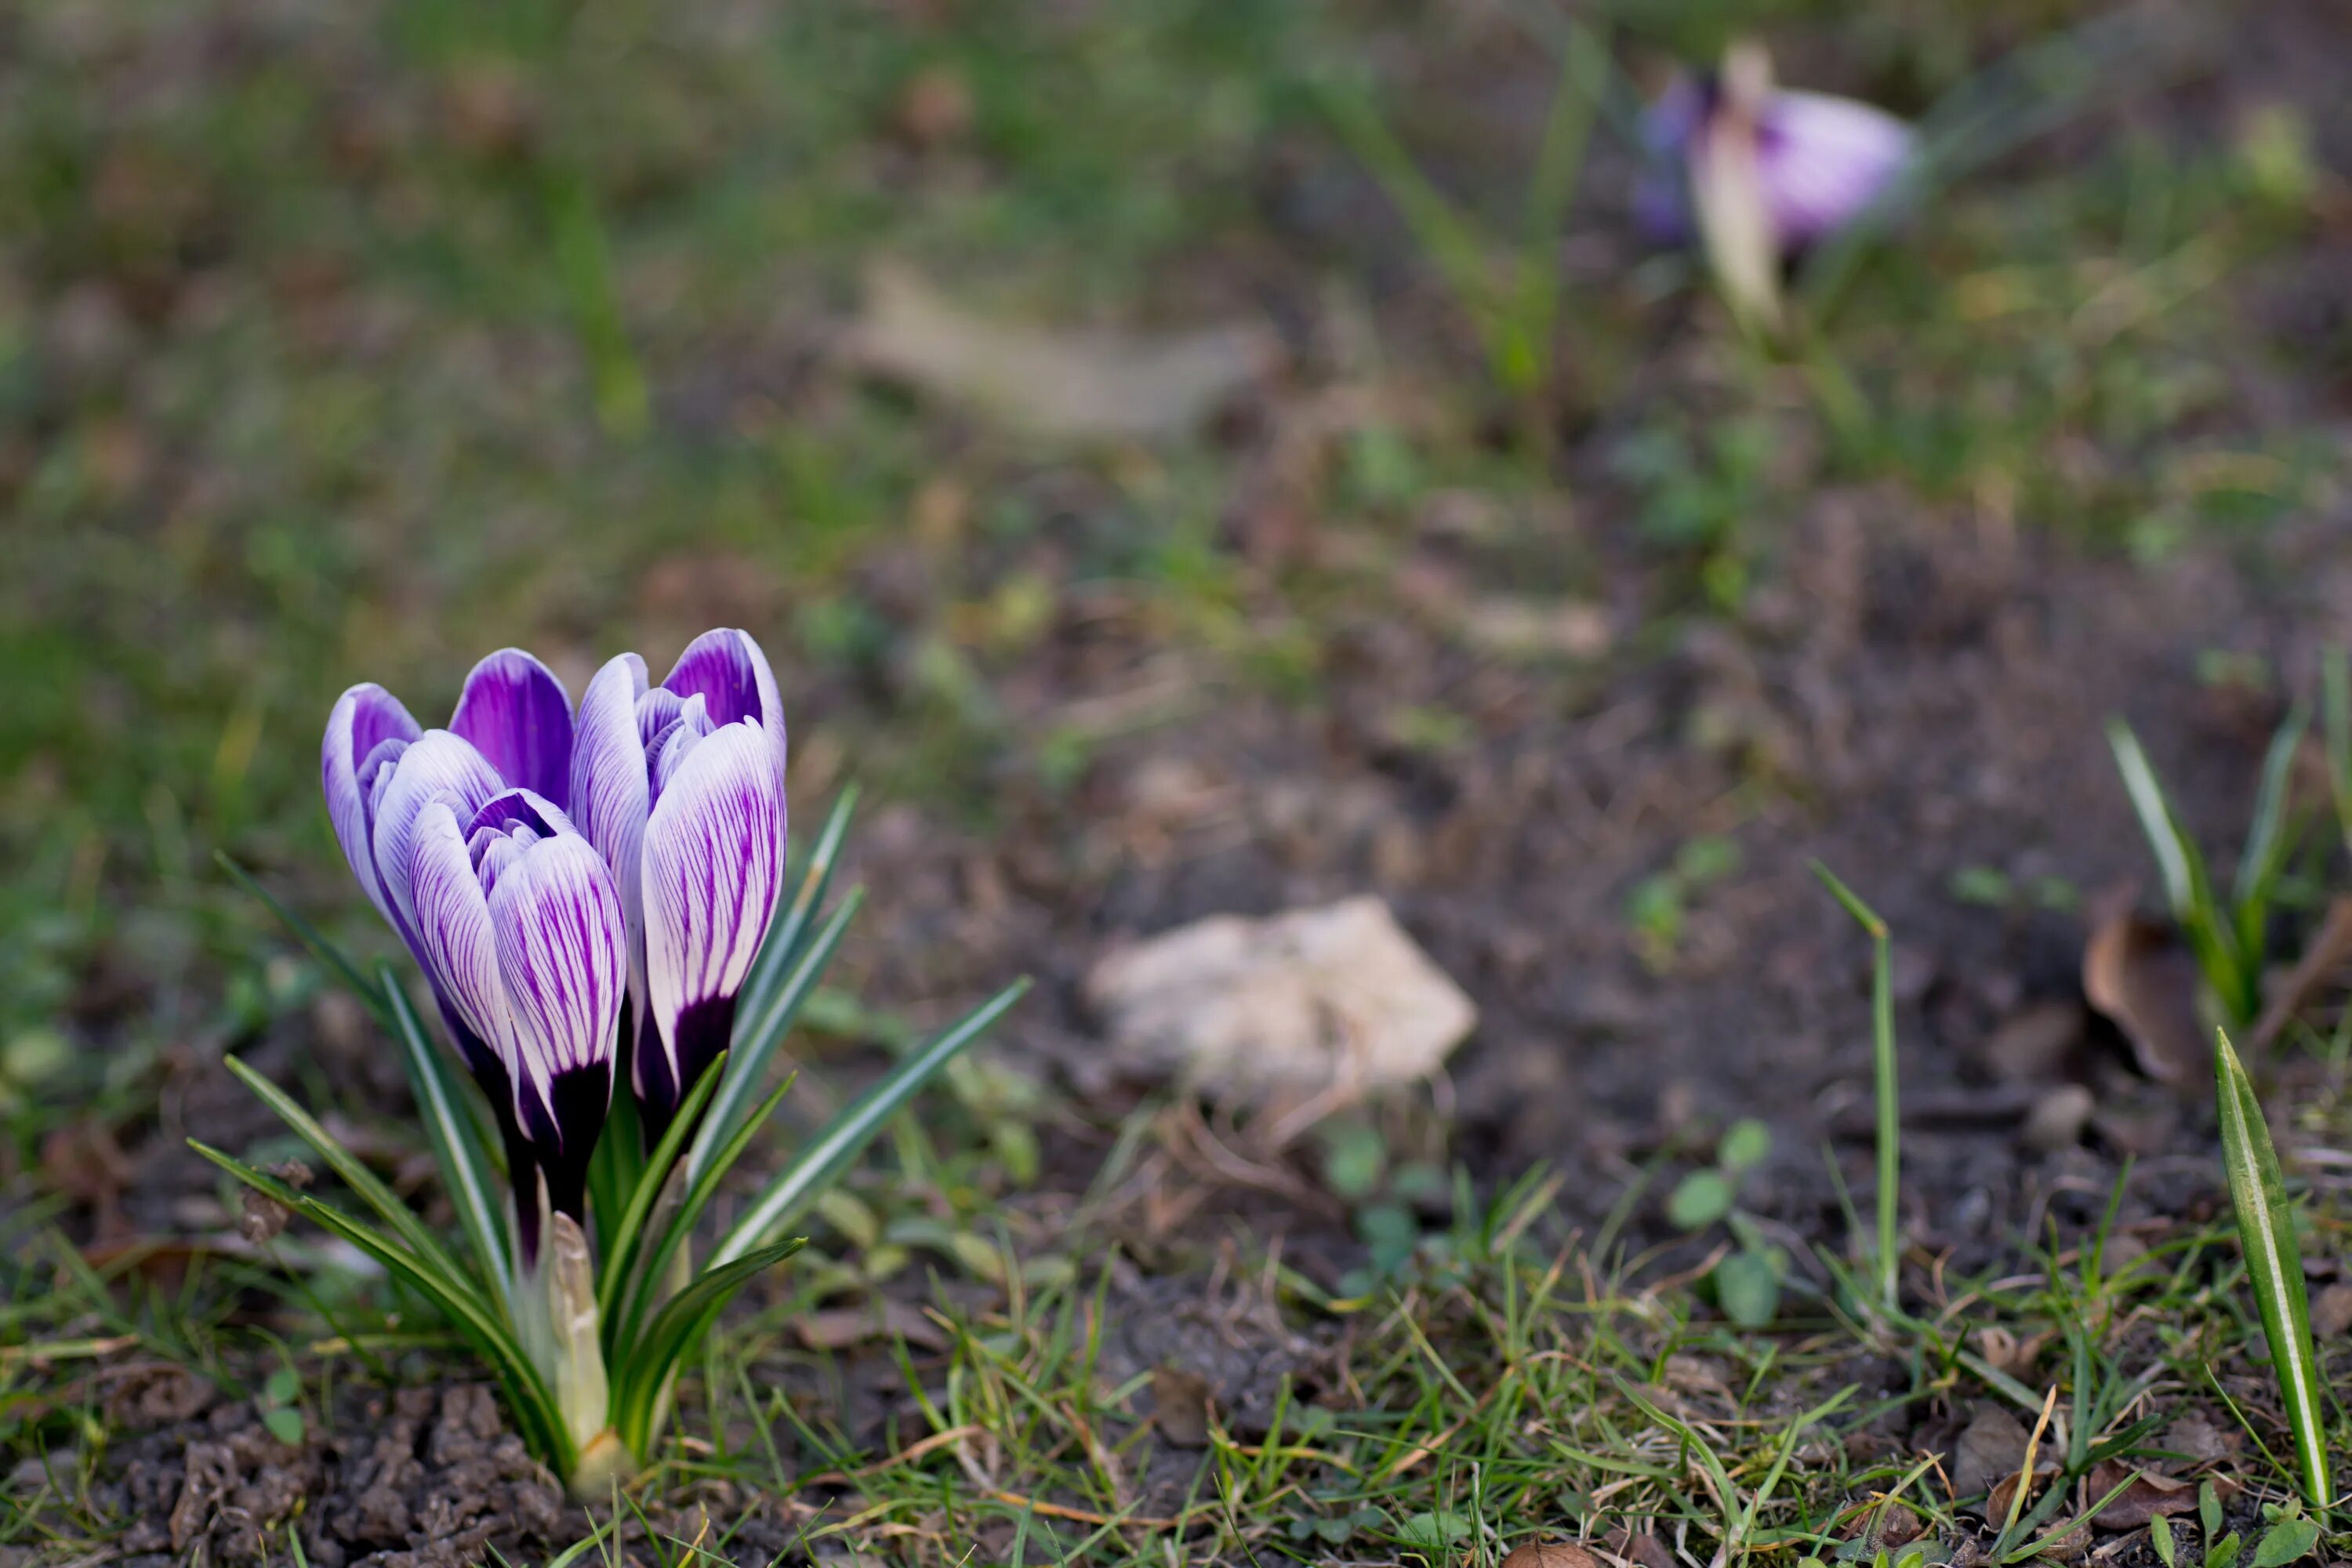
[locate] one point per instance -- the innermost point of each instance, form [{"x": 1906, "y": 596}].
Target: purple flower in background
[
  {"x": 1819, "y": 160},
  {"x": 681, "y": 787},
  {"x": 519, "y": 923}
]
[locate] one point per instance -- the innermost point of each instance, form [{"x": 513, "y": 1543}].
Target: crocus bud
[
  {"x": 519, "y": 923},
  {"x": 512, "y": 727},
  {"x": 681, "y": 787}
]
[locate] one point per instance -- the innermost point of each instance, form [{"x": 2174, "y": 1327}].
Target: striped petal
[
  {"x": 438, "y": 764},
  {"x": 609, "y": 802},
  {"x": 713, "y": 864},
  {"x": 367, "y": 720},
  {"x": 454, "y": 941},
  {"x": 1825, "y": 160},
  {"x": 518, "y": 716},
  {"x": 561, "y": 953},
  {"x": 728, "y": 670}
]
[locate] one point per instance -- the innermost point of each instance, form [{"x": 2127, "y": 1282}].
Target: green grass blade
[
  {"x": 362, "y": 1180},
  {"x": 674, "y": 1331},
  {"x": 791, "y": 928},
  {"x": 2336, "y": 700},
  {"x": 2267, "y": 840},
  {"x": 1551, "y": 187},
  {"x": 801, "y": 1181},
  {"x": 620, "y": 1249},
  {"x": 456, "y": 1136},
  {"x": 1450, "y": 240},
  {"x": 2174, "y": 853},
  {"x": 527, "y": 1395},
  {"x": 637, "y": 1291},
  {"x": 1887, "y": 1083},
  {"x": 2274, "y": 1262},
  {"x": 310, "y": 937},
  {"x": 755, "y": 1044}
]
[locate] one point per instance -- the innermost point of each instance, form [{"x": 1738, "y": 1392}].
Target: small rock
[
  {"x": 1293, "y": 1003},
  {"x": 2057, "y": 1118}
]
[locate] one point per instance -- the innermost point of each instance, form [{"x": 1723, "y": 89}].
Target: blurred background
[{"x": 1181, "y": 456}]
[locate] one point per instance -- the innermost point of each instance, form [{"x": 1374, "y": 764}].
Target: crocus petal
[
  {"x": 726, "y": 668},
  {"x": 561, "y": 953},
  {"x": 713, "y": 863},
  {"x": 364, "y": 719},
  {"x": 1825, "y": 160},
  {"x": 517, "y": 715},
  {"x": 454, "y": 941},
  {"x": 609, "y": 802},
  {"x": 438, "y": 764}
]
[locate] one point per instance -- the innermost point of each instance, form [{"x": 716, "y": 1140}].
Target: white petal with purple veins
[
  {"x": 728, "y": 669},
  {"x": 364, "y": 718},
  {"x": 609, "y": 795},
  {"x": 713, "y": 863},
  {"x": 519, "y": 717},
  {"x": 561, "y": 953},
  {"x": 1825, "y": 161},
  {"x": 438, "y": 764},
  {"x": 454, "y": 940}
]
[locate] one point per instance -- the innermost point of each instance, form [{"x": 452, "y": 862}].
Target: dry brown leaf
[
  {"x": 2196, "y": 1436},
  {"x": 1992, "y": 1446},
  {"x": 2141, "y": 974},
  {"x": 839, "y": 1328},
  {"x": 1644, "y": 1548},
  {"x": 1550, "y": 1554},
  {"x": 2151, "y": 1493},
  {"x": 1074, "y": 384},
  {"x": 1181, "y": 1406}
]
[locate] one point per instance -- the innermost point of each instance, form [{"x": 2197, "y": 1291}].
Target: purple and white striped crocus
[
  {"x": 681, "y": 785},
  {"x": 519, "y": 924},
  {"x": 381, "y": 769},
  {"x": 1818, "y": 161}
]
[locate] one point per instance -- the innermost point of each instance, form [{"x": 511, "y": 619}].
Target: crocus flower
[
  {"x": 380, "y": 769},
  {"x": 518, "y": 922},
  {"x": 681, "y": 785},
  {"x": 1812, "y": 163}
]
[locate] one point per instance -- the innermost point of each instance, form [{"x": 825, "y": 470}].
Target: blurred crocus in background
[
  {"x": 1758, "y": 172},
  {"x": 681, "y": 787}
]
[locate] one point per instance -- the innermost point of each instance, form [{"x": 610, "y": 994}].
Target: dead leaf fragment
[
  {"x": 1181, "y": 1406},
  {"x": 2151, "y": 1493},
  {"x": 1644, "y": 1548},
  {"x": 2196, "y": 1436},
  {"x": 2009, "y": 1353},
  {"x": 2141, "y": 974},
  {"x": 1073, "y": 385},
  {"x": 840, "y": 1327},
  {"x": 1990, "y": 1447},
  {"x": 1550, "y": 1554},
  {"x": 2331, "y": 1313},
  {"x": 1332, "y": 998}
]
